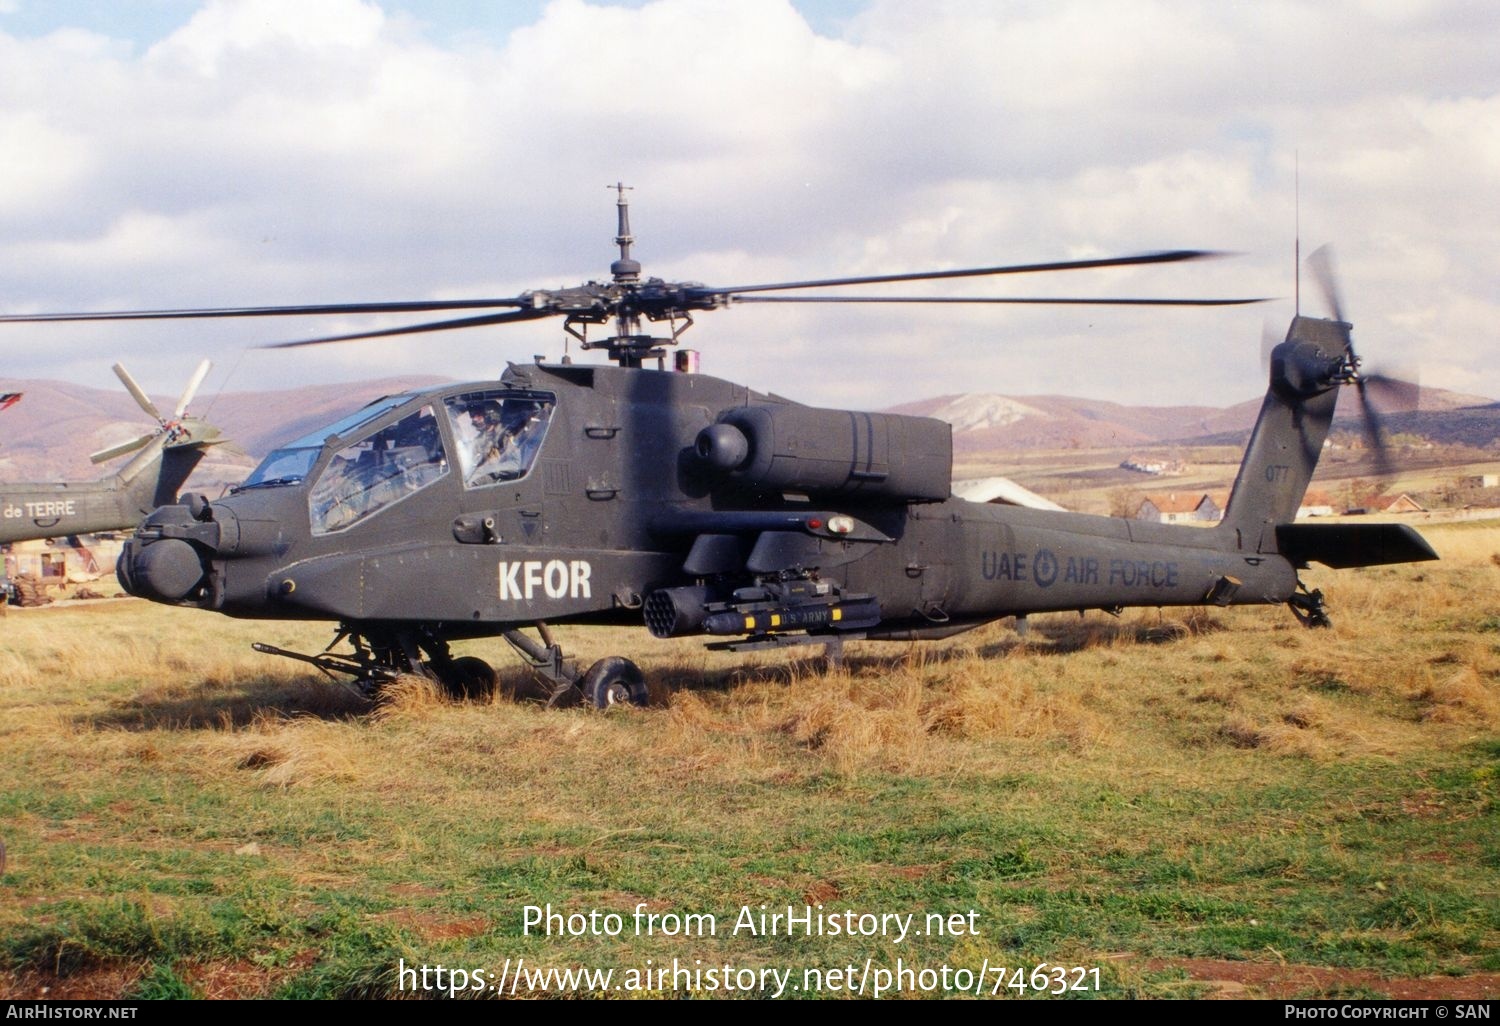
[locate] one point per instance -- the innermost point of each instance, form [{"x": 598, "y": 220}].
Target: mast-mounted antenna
[
  {"x": 1297, "y": 232},
  {"x": 624, "y": 269}
]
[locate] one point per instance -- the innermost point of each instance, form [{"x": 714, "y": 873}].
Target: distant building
[
  {"x": 58, "y": 560},
  {"x": 1402, "y": 503},
  {"x": 1153, "y": 465},
  {"x": 1002, "y": 491},
  {"x": 1481, "y": 481},
  {"x": 1316, "y": 504},
  {"x": 1177, "y": 508}
]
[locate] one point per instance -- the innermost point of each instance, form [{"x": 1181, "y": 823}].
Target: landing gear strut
[
  {"x": 546, "y": 661},
  {"x": 609, "y": 682},
  {"x": 382, "y": 654},
  {"x": 1308, "y": 608}
]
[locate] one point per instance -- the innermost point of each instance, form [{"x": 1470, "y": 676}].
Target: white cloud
[{"x": 278, "y": 151}]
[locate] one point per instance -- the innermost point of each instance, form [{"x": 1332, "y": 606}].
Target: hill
[
  {"x": 49, "y": 434},
  {"x": 984, "y": 423}
]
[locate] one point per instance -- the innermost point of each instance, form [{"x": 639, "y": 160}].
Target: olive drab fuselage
[
  {"x": 51, "y": 509},
  {"x": 162, "y": 462},
  {"x": 700, "y": 507}
]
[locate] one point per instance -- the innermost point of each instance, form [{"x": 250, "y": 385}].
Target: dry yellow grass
[
  {"x": 307, "y": 752},
  {"x": 1247, "y": 678}
]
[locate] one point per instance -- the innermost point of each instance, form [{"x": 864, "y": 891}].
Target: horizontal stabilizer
[{"x": 1347, "y": 545}]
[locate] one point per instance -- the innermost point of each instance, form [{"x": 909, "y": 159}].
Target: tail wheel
[
  {"x": 614, "y": 681},
  {"x": 468, "y": 677}
]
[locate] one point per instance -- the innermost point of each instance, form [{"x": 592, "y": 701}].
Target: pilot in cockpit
[
  {"x": 504, "y": 441},
  {"x": 489, "y": 433}
]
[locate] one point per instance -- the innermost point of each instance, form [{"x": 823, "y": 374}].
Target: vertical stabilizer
[
  {"x": 1306, "y": 371},
  {"x": 159, "y": 471}
]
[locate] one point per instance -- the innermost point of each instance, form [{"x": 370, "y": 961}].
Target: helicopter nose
[
  {"x": 166, "y": 570},
  {"x": 168, "y": 559}
]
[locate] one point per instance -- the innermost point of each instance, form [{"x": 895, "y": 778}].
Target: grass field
[{"x": 1196, "y": 804}]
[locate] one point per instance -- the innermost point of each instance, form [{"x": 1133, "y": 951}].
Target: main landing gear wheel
[
  {"x": 467, "y": 677},
  {"x": 613, "y": 681}
]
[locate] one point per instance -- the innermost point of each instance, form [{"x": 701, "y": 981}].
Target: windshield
[
  {"x": 283, "y": 466},
  {"x": 289, "y": 464}
]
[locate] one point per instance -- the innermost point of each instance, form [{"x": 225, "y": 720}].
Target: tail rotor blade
[
  {"x": 1379, "y": 392},
  {"x": 104, "y": 455},
  {"x": 231, "y": 449},
  {"x": 1321, "y": 264},
  {"x": 192, "y": 389},
  {"x": 1269, "y": 340},
  {"x": 1375, "y": 435},
  {"x": 1395, "y": 394},
  {"x": 143, "y": 400}
]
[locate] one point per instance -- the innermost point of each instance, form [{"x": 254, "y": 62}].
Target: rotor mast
[
  {"x": 624, "y": 269},
  {"x": 626, "y": 347},
  {"x": 627, "y": 298}
]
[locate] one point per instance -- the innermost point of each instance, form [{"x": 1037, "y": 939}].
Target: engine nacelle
[{"x": 830, "y": 452}]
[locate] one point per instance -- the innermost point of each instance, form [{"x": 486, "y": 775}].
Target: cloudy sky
[{"x": 176, "y": 153}]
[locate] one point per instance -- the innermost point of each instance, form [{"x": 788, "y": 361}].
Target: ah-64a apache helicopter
[
  {"x": 163, "y": 461},
  {"x": 598, "y": 494}
]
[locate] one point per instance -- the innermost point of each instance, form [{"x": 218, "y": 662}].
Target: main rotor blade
[
  {"x": 416, "y": 306},
  {"x": 140, "y": 396},
  {"x": 1165, "y": 257},
  {"x": 1018, "y": 300},
  {"x": 120, "y": 450},
  {"x": 415, "y": 329},
  {"x": 192, "y": 389}
]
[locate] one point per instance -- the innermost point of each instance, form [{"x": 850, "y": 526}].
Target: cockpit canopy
[
  {"x": 290, "y": 463},
  {"x": 493, "y": 435}
]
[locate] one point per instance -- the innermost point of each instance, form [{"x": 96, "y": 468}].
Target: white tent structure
[{"x": 1002, "y": 490}]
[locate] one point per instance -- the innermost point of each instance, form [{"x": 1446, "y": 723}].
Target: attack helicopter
[
  {"x": 615, "y": 493},
  {"x": 164, "y": 460}
]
